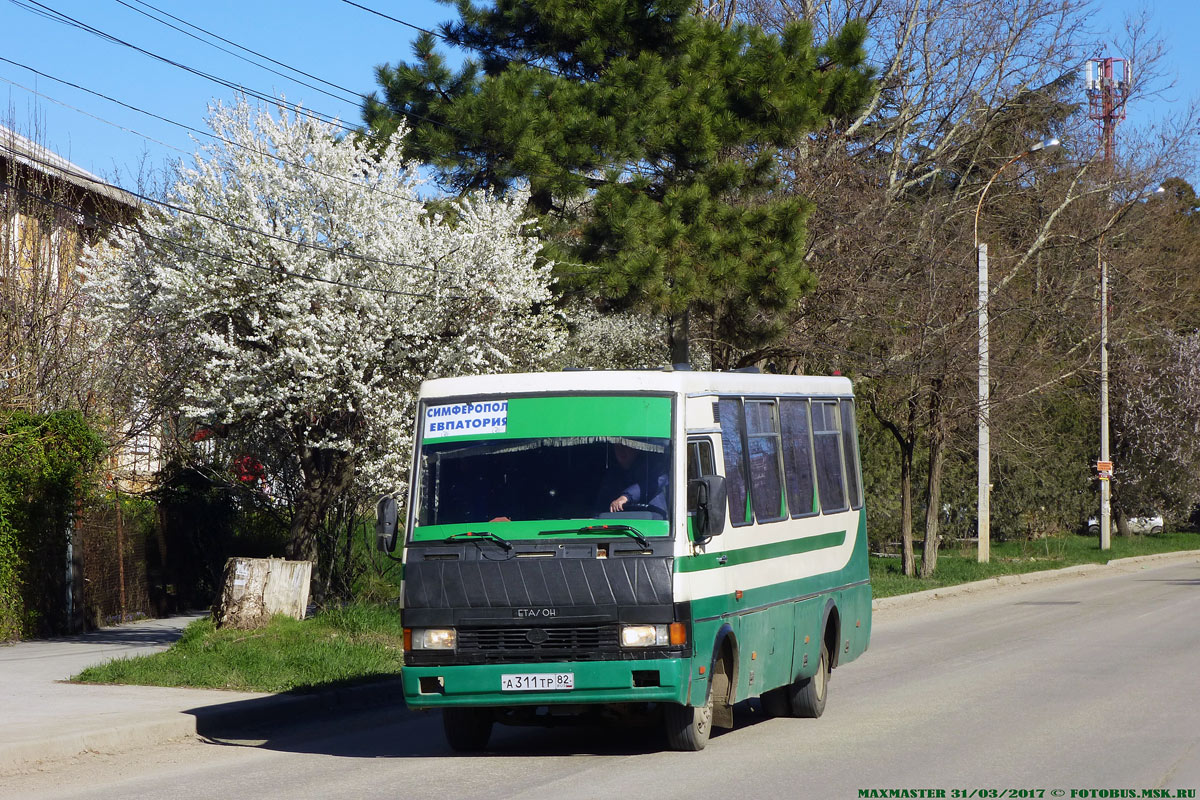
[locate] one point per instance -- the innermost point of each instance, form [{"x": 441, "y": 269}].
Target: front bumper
[{"x": 596, "y": 682}]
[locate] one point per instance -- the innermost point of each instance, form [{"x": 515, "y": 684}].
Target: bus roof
[{"x": 674, "y": 381}]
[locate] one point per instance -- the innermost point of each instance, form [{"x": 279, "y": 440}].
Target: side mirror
[
  {"x": 706, "y": 506},
  {"x": 386, "y": 515}
]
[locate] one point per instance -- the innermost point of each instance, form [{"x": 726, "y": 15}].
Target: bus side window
[
  {"x": 762, "y": 439},
  {"x": 827, "y": 443},
  {"x": 734, "y": 450},
  {"x": 850, "y": 448},
  {"x": 797, "y": 457}
]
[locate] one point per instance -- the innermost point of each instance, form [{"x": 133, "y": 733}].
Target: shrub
[{"x": 48, "y": 463}]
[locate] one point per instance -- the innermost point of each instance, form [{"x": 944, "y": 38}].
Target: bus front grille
[{"x": 580, "y": 642}]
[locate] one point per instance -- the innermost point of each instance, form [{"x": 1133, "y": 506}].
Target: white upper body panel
[{"x": 674, "y": 381}]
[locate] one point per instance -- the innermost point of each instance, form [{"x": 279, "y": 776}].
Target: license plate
[{"x": 538, "y": 682}]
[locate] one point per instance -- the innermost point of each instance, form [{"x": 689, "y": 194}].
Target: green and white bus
[{"x": 666, "y": 541}]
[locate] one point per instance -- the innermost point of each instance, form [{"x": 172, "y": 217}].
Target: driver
[{"x": 634, "y": 478}]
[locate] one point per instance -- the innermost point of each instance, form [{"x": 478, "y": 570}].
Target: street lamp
[
  {"x": 984, "y": 512},
  {"x": 1104, "y": 466}
]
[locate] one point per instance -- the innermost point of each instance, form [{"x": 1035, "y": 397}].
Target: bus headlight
[
  {"x": 644, "y": 636},
  {"x": 433, "y": 639}
]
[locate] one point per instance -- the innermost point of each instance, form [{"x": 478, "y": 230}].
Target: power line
[
  {"x": 358, "y": 97},
  {"x": 296, "y": 164},
  {"x": 275, "y": 156},
  {"x": 168, "y": 120},
  {"x": 395, "y": 19},
  {"x": 475, "y": 138},
  {"x": 70, "y": 21},
  {"x": 485, "y": 51},
  {"x": 232, "y": 225},
  {"x": 40, "y": 9},
  {"x": 36, "y": 93},
  {"x": 224, "y": 257},
  {"x": 328, "y": 119},
  {"x": 255, "y": 52}
]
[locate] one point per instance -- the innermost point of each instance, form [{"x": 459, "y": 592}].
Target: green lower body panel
[{"x": 595, "y": 682}]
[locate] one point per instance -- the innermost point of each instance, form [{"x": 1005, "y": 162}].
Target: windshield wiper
[
  {"x": 488, "y": 535},
  {"x": 627, "y": 530}
]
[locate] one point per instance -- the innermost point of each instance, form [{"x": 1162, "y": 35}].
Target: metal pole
[
  {"x": 120, "y": 551},
  {"x": 1105, "y": 483},
  {"x": 70, "y": 597},
  {"x": 984, "y": 507},
  {"x": 985, "y": 442}
]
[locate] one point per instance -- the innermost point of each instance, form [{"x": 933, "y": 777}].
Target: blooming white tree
[
  {"x": 1156, "y": 426},
  {"x": 297, "y": 286},
  {"x": 615, "y": 340}
]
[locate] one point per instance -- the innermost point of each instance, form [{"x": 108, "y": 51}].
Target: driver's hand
[{"x": 618, "y": 504}]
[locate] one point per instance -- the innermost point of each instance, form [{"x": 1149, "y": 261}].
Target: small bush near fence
[{"x": 204, "y": 517}]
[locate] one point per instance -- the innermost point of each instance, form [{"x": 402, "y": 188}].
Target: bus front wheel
[
  {"x": 467, "y": 729},
  {"x": 688, "y": 727}
]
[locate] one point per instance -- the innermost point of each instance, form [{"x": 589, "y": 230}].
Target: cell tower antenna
[{"x": 1108, "y": 83}]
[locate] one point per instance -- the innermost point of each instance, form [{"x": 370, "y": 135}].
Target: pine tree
[{"x": 648, "y": 137}]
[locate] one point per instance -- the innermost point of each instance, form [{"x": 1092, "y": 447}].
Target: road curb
[
  {"x": 1078, "y": 570},
  {"x": 163, "y": 727}
]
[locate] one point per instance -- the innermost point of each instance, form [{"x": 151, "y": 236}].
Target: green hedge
[{"x": 47, "y": 461}]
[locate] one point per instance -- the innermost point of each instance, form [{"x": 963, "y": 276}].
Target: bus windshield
[
  {"x": 549, "y": 478},
  {"x": 532, "y": 466}
]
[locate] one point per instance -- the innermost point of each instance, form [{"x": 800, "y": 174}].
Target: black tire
[
  {"x": 689, "y": 727},
  {"x": 467, "y": 729},
  {"x": 775, "y": 703},
  {"x": 1156, "y": 529},
  {"x": 808, "y": 695},
  {"x": 1094, "y": 530}
]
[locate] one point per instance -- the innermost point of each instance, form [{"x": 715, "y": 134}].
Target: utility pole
[
  {"x": 984, "y": 497},
  {"x": 984, "y": 501},
  {"x": 1104, "y": 467}
]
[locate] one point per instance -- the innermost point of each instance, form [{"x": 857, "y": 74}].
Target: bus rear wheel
[
  {"x": 808, "y": 695},
  {"x": 467, "y": 729}
]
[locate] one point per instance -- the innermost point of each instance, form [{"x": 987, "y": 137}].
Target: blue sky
[{"x": 326, "y": 38}]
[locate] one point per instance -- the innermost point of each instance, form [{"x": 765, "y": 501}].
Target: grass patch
[
  {"x": 354, "y": 643},
  {"x": 957, "y": 563}
]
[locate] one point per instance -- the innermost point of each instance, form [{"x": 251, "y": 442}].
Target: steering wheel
[{"x": 644, "y": 507}]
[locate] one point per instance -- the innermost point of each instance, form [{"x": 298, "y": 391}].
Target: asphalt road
[{"x": 1083, "y": 684}]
